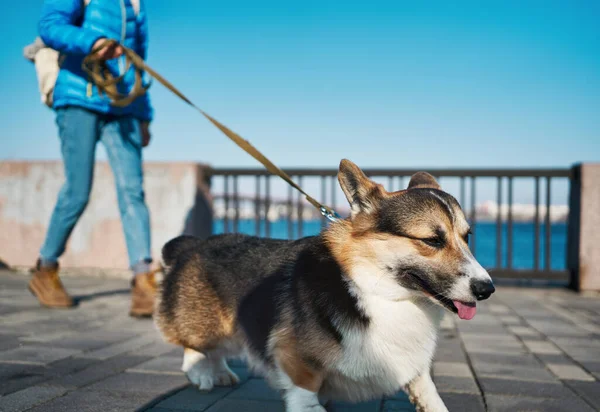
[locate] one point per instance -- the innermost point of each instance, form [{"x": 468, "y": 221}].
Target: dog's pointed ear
[
  {"x": 362, "y": 193},
  {"x": 423, "y": 180}
]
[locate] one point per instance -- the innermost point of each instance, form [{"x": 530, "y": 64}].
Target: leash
[{"x": 106, "y": 83}]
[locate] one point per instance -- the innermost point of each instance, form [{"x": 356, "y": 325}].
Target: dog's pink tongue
[{"x": 465, "y": 310}]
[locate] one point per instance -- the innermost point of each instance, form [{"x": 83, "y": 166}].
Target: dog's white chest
[{"x": 397, "y": 346}]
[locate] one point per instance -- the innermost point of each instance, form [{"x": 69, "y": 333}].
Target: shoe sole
[
  {"x": 138, "y": 315},
  {"x": 37, "y": 296}
]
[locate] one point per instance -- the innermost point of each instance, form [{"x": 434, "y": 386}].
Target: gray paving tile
[
  {"x": 458, "y": 369},
  {"x": 230, "y": 405},
  {"x": 519, "y": 360},
  {"x": 456, "y": 384},
  {"x": 9, "y": 308},
  {"x": 9, "y": 341},
  {"x": 462, "y": 402},
  {"x": 139, "y": 382},
  {"x": 156, "y": 348},
  {"x": 98, "y": 371},
  {"x": 510, "y": 320},
  {"x": 133, "y": 344},
  {"x": 498, "y": 403},
  {"x": 499, "y": 308},
  {"x": 583, "y": 354},
  {"x": 496, "y": 350},
  {"x": 571, "y": 372},
  {"x": 557, "y": 359},
  {"x": 450, "y": 350},
  {"x": 556, "y": 328},
  {"x": 542, "y": 347},
  {"x": 94, "y": 401},
  {"x": 574, "y": 341},
  {"x": 29, "y": 397},
  {"x": 90, "y": 341},
  {"x": 68, "y": 366},
  {"x": 36, "y": 354},
  {"x": 590, "y": 391},
  {"x": 24, "y": 318},
  {"x": 593, "y": 368},
  {"x": 506, "y": 339},
  {"x": 191, "y": 398},
  {"x": 515, "y": 372},
  {"x": 255, "y": 389},
  {"x": 47, "y": 336},
  {"x": 163, "y": 365},
  {"x": 523, "y": 388},
  {"x": 523, "y": 331},
  {"x": 14, "y": 377}
]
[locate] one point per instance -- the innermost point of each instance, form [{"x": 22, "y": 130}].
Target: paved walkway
[{"x": 526, "y": 350}]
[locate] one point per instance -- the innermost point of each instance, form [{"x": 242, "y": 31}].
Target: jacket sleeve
[
  {"x": 58, "y": 29},
  {"x": 144, "y": 107}
]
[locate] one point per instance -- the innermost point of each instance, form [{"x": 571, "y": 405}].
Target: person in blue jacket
[{"x": 84, "y": 118}]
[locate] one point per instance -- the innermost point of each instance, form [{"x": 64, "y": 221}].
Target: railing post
[{"x": 583, "y": 242}]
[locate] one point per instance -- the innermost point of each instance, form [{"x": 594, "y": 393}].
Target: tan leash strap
[{"x": 106, "y": 83}]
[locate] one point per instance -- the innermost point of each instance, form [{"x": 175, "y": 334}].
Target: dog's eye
[{"x": 436, "y": 242}]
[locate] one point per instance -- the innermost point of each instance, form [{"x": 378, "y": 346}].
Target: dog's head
[{"x": 413, "y": 242}]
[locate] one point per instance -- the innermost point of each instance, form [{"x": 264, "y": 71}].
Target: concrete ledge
[{"x": 178, "y": 196}]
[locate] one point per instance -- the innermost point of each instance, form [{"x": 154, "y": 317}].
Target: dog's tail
[{"x": 175, "y": 248}]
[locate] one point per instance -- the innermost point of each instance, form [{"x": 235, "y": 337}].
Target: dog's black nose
[{"x": 482, "y": 289}]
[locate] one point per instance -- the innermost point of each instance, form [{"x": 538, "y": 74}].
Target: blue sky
[{"x": 395, "y": 84}]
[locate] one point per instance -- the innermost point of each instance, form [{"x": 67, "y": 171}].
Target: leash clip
[{"x": 330, "y": 214}]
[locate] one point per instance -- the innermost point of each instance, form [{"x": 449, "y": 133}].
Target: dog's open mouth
[{"x": 464, "y": 310}]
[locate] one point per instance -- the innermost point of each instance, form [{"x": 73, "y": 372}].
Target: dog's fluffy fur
[{"x": 350, "y": 314}]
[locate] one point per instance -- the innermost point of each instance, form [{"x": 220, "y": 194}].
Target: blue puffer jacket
[{"x": 72, "y": 28}]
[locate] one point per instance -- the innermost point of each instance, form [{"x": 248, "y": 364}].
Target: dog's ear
[
  {"x": 423, "y": 180},
  {"x": 362, "y": 193}
]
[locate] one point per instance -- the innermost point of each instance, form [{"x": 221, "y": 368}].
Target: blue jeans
[{"x": 79, "y": 130}]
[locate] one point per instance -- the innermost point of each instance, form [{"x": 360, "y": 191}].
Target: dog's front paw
[
  {"x": 203, "y": 379},
  {"x": 226, "y": 378}
]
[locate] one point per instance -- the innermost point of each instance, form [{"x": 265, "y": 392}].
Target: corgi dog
[{"x": 351, "y": 314}]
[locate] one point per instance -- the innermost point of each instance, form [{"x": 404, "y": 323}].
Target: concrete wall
[
  {"x": 177, "y": 194},
  {"x": 584, "y": 228}
]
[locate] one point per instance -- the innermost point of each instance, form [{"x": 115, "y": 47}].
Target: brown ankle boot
[
  {"x": 142, "y": 295},
  {"x": 47, "y": 287}
]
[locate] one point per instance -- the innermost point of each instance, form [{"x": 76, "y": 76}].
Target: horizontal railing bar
[{"x": 401, "y": 172}]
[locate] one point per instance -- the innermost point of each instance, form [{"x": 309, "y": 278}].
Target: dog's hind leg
[
  {"x": 300, "y": 381},
  {"x": 424, "y": 395},
  {"x": 207, "y": 370}
]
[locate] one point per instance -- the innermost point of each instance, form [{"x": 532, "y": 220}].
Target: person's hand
[
  {"x": 109, "y": 52},
  {"x": 145, "y": 132}
]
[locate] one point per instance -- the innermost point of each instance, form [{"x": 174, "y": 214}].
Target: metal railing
[{"x": 288, "y": 216}]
